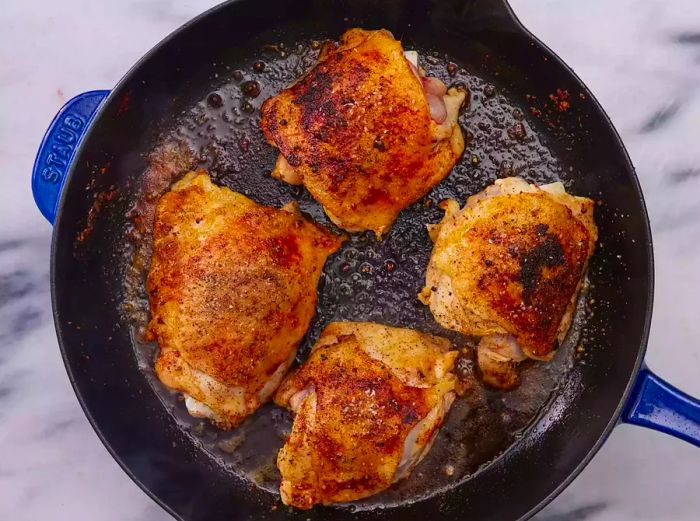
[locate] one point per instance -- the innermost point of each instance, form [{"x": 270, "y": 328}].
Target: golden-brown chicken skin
[
  {"x": 368, "y": 403},
  {"x": 232, "y": 288},
  {"x": 508, "y": 268},
  {"x": 357, "y": 131}
]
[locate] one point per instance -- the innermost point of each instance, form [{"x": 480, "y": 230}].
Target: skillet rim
[{"x": 503, "y": 5}]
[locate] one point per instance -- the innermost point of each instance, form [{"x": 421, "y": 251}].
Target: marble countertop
[{"x": 641, "y": 58}]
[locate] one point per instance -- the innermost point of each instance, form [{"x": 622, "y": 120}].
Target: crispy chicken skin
[
  {"x": 232, "y": 288},
  {"x": 368, "y": 403},
  {"x": 357, "y": 131},
  {"x": 508, "y": 267}
]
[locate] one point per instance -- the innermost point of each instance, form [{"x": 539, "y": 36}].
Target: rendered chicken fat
[
  {"x": 368, "y": 403},
  {"x": 232, "y": 288},
  {"x": 357, "y": 130}
]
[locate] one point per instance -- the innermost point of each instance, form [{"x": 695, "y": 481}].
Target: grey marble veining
[{"x": 641, "y": 58}]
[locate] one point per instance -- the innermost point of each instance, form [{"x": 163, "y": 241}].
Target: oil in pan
[{"x": 367, "y": 280}]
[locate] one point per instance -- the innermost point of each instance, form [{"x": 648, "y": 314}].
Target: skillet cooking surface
[
  {"x": 516, "y": 124},
  {"x": 367, "y": 280}
]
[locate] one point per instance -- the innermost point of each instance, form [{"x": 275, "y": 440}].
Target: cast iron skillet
[{"x": 87, "y": 174}]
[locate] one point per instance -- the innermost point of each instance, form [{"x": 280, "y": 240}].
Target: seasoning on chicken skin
[
  {"x": 365, "y": 131},
  {"x": 368, "y": 403},
  {"x": 508, "y": 268},
  {"x": 232, "y": 288}
]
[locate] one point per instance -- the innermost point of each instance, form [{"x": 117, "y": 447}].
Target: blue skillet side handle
[
  {"x": 658, "y": 405},
  {"x": 58, "y": 148}
]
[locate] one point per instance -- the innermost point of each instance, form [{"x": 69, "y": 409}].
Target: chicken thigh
[
  {"x": 368, "y": 403},
  {"x": 508, "y": 268},
  {"x": 365, "y": 131},
  {"x": 232, "y": 288}
]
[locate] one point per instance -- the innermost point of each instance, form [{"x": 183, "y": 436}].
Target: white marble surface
[{"x": 640, "y": 57}]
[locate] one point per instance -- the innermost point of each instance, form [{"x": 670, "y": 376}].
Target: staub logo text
[{"x": 63, "y": 143}]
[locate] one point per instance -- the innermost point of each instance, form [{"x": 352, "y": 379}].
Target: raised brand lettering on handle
[
  {"x": 66, "y": 137},
  {"x": 55, "y": 156}
]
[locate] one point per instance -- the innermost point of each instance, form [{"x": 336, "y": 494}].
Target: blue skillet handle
[
  {"x": 58, "y": 147},
  {"x": 658, "y": 405}
]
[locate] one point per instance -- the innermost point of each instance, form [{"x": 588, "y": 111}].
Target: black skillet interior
[{"x": 566, "y": 136}]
